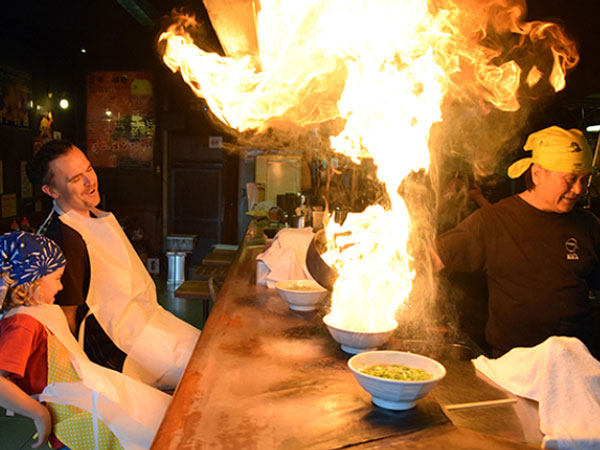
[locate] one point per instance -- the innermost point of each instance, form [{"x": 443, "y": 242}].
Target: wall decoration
[
  {"x": 8, "y": 205},
  {"x": 15, "y": 98},
  {"x": 46, "y": 125},
  {"x": 120, "y": 119}
]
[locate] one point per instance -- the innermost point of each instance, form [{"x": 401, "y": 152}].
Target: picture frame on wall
[
  {"x": 121, "y": 123},
  {"x": 15, "y": 98}
]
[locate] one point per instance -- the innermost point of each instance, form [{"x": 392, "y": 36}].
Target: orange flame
[{"x": 385, "y": 68}]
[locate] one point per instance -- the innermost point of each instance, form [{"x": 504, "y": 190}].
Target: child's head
[{"x": 30, "y": 269}]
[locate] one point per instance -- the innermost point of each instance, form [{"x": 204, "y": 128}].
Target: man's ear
[
  {"x": 46, "y": 189},
  {"x": 536, "y": 173}
]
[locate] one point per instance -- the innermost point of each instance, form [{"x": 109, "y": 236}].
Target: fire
[{"x": 385, "y": 68}]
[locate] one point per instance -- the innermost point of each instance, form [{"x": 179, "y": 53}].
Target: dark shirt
[
  {"x": 539, "y": 265},
  {"x": 76, "y": 281},
  {"x": 76, "y": 278}
]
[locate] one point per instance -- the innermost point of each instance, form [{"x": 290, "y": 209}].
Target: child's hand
[
  {"x": 14, "y": 398},
  {"x": 43, "y": 426}
]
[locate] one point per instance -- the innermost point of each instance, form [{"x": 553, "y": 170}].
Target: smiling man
[
  {"x": 67, "y": 176},
  {"x": 74, "y": 184},
  {"x": 108, "y": 296},
  {"x": 539, "y": 251}
]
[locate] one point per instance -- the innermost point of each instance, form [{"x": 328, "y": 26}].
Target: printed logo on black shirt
[{"x": 572, "y": 246}]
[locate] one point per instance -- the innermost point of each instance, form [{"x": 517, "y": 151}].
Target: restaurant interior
[{"x": 190, "y": 190}]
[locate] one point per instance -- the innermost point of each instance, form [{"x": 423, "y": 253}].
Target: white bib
[{"x": 122, "y": 296}]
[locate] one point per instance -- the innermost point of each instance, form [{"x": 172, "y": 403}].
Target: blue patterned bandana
[{"x": 27, "y": 257}]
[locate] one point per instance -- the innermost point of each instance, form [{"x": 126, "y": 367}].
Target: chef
[
  {"x": 539, "y": 250},
  {"x": 106, "y": 285}
]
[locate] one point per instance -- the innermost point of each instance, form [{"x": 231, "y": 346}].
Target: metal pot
[{"x": 323, "y": 274}]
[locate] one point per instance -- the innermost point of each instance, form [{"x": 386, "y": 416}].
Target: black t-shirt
[
  {"x": 539, "y": 266},
  {"x": 76, "y": 278},
  {"x": 76, "y": 281}
]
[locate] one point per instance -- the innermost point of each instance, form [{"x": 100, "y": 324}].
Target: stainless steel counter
[{"x": 265, "y": 377}]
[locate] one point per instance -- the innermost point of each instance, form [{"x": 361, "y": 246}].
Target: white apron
[
  {"x": 122, "y": 297},
  {"x": 132, "y": 410}
]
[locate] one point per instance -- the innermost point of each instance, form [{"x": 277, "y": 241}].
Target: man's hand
[{"x": 474, "y": 193}]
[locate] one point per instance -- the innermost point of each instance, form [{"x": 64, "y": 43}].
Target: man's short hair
[{"x": 38, "y": 169}]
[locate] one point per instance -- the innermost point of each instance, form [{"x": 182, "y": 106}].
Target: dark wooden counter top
[{"x": 265, "y": 377}]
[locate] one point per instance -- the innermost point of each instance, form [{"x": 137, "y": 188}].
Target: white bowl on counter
[
  {"x": 393, "y": 394},
  {"x": 354, "y": 342},
  {"x": 301, "y": 295}
]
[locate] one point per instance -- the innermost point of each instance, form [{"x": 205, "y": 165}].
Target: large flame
[{"x": 384, "y": 67}]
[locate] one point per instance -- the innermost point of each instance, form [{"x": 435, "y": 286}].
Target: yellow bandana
[{"x": 557, "y": 149}]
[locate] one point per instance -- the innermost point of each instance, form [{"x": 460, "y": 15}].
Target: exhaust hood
[{"x": 234, "y": 21}]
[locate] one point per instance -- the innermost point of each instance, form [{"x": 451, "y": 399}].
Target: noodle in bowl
[{"x": 394, "y": 394}]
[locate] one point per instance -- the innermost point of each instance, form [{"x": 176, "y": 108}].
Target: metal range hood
[{"x": 234, "y": 21}]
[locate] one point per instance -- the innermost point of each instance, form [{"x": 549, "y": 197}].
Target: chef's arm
[
  {"x": 71, "y": 311},
  {"x": 15, "y": 399},
  {"x": 437, "y": 262},
  {"x": 474, "y": 192}
]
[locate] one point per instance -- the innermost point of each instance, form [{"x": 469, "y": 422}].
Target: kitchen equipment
[
  {"x": 177, "y": 246},
  {"x": 297, "y": 221},
  {"x": 322, "y": 272},
  {"x": 277, "y": 215},
  {"x": 176, "y": 267},
  {"x": 181, "y": 242}
]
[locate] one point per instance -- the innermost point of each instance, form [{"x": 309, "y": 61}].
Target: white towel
[
  {"x": 564, "y": 378},
  {"x": 285, "y": 259}
]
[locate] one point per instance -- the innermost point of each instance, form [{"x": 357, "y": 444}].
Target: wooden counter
[{"x": 265, "y": 377}]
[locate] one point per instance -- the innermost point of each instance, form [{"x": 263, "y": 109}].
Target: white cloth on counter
[
  {"x": 285, "y": 259},
  {"x": 564, "y": 378}
]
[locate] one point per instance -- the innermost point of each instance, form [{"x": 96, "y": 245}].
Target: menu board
[{"x": 120, "y": 119}]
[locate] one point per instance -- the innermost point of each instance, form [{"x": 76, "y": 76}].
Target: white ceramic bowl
[
  {"x": 392, "y": 394},
  {"x": 301, "y": 295},
  {"x": 354, "y": 342}
]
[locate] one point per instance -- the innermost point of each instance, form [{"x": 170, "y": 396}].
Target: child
[
  {"x": 87, "y": 406},
  {"x": 31, "y": 267}
]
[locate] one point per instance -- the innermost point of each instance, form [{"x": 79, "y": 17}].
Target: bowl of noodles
[
  {"x": 396, "y": 380},
  {"x": 301, "y": 295}
]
